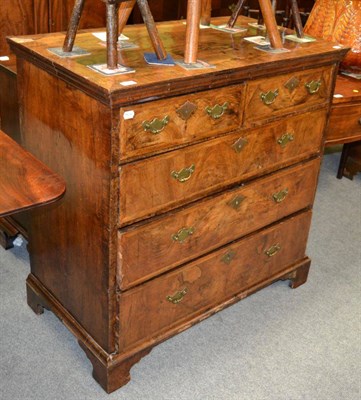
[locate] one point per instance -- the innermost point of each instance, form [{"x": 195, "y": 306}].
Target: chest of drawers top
[{"x": 232, "y": 58}]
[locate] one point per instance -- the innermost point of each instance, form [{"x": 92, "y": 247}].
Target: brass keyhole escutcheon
[
  {"x": 186, "y": 110},
  {"x": 228, "y": 257},
  {"x": 178, "y": 297},
  {"x": 183, "y": 175},
  {"x": 280, "y": 196},
  {"x": 239, "y": 145},
  {"x": 285, "y": 139},
  {"x": 273, "y": 250},
  {"x": 217, "y": 111},
  {"x": 269, "y": 97},
  {"x": 156, "y": 126},
  {"x": 313, "y": 86},
  {"x": 236, "y": 202},
  {"x": 183, "y": 234}
]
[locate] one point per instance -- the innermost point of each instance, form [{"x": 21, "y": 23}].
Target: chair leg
[
  {"x": 296, "y": 18},
  {"x": 206, "y": 12},
  {"x": 152, "y": 29},
  {"x": 73, "y": 26},
  {"x": 343, "y": 160},
  {"x": 125, "y": 9},
  {"x": 112, "y": 11},
  {"x": 192, "y": 34},
  {"x": 271, "y": 25},
  {"x": 235, "y": 14}
]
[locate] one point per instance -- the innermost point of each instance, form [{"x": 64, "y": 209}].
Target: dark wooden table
[{"x": 25, "y": 182}]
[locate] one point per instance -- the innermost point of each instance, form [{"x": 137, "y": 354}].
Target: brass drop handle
[
  {"x": 269, "y": 97},
  {"x": 178, "y": 297},
  {"x": 280, "y": 196},
  {"x": 228, "y": 257},
  {"x": 273, "y": 250},
  {"x": 183, "y": 234},
  {"x": 156, "y": 126},
  {"x": 183, "y": 175},
  {"x": 285, "y": 139},
  {"x": 217, "y": 111},
  {"x": 313, "y": 86}
]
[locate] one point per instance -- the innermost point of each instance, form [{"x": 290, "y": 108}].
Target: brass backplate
[{"x": 187, "y": 110}]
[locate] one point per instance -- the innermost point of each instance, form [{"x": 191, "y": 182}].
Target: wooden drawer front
[
  {"x": 286, "y": 93},
  {"x": 147, "y": 310},
  {"x": 344, "y": 123},
  {"x": 153, "y": 248},
  {"x": 152, "y": 186},
  {"x": 164, "y": 124}
]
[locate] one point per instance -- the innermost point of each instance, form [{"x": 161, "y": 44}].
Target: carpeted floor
[{"x": 279, "y": 344}]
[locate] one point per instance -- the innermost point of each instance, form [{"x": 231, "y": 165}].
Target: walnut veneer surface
[{"x": 186, "y": 190}]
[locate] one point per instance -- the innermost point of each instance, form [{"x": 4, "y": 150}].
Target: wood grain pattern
[
  {"x": 156, "y": 190},
  {"x": 149, "y": 249},
  {"x": 25, "y": 182},
  {"x": 233, "y": 58},
  {"x": 77, "y": 257},
  {"x": 209, "y": 281},
  {"x": 135, "y": 141},
  {"x": 287, "y": 99},
  {"x": 71, "y": 120}
]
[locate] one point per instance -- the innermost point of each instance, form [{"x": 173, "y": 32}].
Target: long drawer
[
  {"x": 160, "y": 183},
  {"x": 155, "y": 247},
  {"x": 163, "y": 124},
  {"x": 158, "y": 305},
  {"x": 282, "y": 94}
]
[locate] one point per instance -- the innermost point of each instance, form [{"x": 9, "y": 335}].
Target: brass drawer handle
[
  {"x": 285, "y": 139},
  {"x": 236, "y": 202},
  {"x": 184, "y": 174},
  {"x": 239, "y": 145},
  {"x": 183, "y": 234},
  {"x": 228, "y": 257},
  {"x": 313, "y": 86},
  {"x": 272, "y": 251},
  {"x": 269, "y": 97},
  {"x": 178, "y": 297},
  {"x": 157, "y": 125},
  {"x": 280, "y": 196},
  {"x": 217, "y": 111},
  {"x": 359, "y": 121}
]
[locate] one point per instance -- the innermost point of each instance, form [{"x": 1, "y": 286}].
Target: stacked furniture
[{"x": 186, "y": 190}]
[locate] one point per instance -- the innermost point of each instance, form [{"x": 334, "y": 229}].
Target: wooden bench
[{"x": 25, "y": 182}]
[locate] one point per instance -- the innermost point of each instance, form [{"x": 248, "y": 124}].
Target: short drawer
[
  {"x": 155, "y": 307},
  {"x": 164, "y": 124},
  {"x": 344, "y": 124},
  {"x": 155, "y": 247},
  {"x": 160, "y": 183},
  {"x": 282, "y": 94}
]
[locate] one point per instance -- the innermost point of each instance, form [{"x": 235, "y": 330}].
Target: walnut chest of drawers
[{"x": 186, "y": 190}]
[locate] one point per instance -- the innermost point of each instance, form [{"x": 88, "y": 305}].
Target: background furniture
[
  {"x": 23, "y": 17},
  {"x": 25, "y": 182},
  {"x": 186, "y": 191},
  {"x": 345, "y": 118}
]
